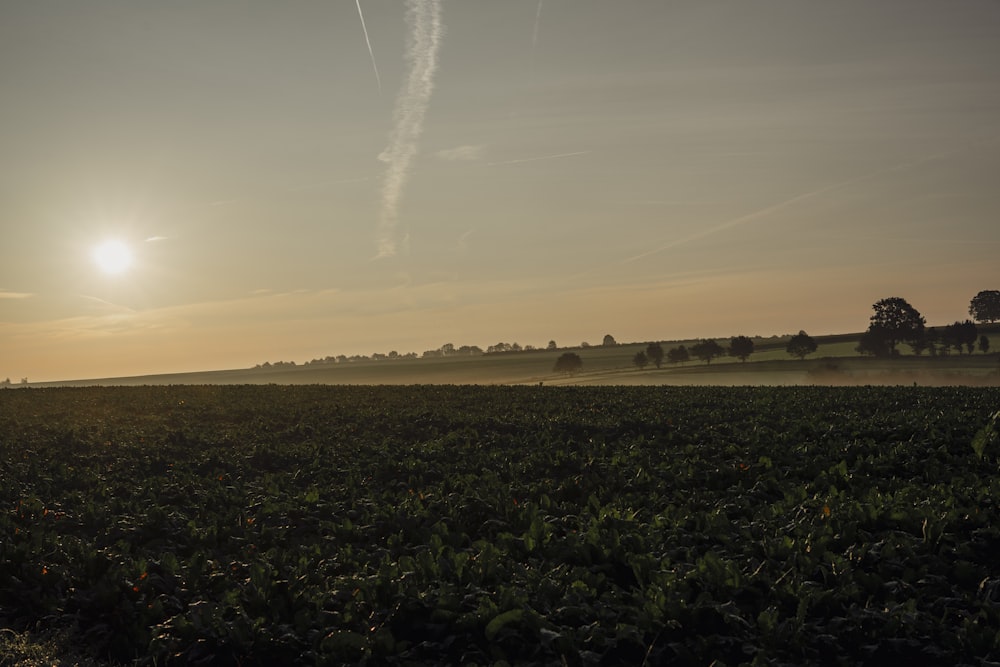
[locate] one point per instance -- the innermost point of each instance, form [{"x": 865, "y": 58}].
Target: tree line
[
  {"x": 894, "y": 322},
  {"x": 800, "y": 345}
]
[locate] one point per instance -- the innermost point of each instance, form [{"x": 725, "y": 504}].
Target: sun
[{"x": 113, "y": 257}]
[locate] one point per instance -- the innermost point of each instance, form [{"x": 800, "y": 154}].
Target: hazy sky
[{"x": 529, "y": 171}]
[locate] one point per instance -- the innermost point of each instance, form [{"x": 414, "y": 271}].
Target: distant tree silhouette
[
  {"x": 970, "y": 334},
  {"x": 896, "y": 321},
  {"x": 920, "y": 343},
  {"x": 984, "y": 344},
  {"x": 609, "y": 341},
  {"x": 655, "y": 354},
  {"x": 707, "y": 350},
  {"x": 551, "y": 345},
  {"x": 932, "y": 339},
  {"x": 801, "y": 345},
  {"x": 640, "y": 360},
  {"x": 961, "y": 335},
  {"x": 985, "y": 306},
  {"x": 678, "y": 355},
  {"x": 568, "y": 362},
  {"x": 740, "y": 347}
]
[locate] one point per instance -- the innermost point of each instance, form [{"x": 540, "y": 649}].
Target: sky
[{"x": 293, "y": 182}]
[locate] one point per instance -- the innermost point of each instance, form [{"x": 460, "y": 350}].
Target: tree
[
  {"x": 874, "y": 342},
  {"x": 932, "y": 339},
  {"x": 984, "y": 344},
  {"x": 609, "y": 341},
  {"x": 707, "y": 350},
  {"x": 985, "y": 306},
  {"x": 896, "y": 321},
  {"x": 801, "y": 345},
  {"x": 678, "y": 355},
  {"x": 551, "y": 345},
  {"x": 568, "y": 362},
  {"x": 961, "y": 335},
  {"x": 740, "y": 347},
  {"x": 969, "y": 335},
  {"x": 640, "y": 360},
  {"x": 655, "y": 354}
]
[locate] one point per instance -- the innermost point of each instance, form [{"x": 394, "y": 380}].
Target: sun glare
[{"x": 113, "y": 257}]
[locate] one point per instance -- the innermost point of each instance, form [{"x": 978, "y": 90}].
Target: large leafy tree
[
  {"x": 640, "y": 360},
  {"x": 896, "y": 321},
  {"x": 707, "y": 350},
  {"x": 985, "y": 306},
  {"x": 874, "y": 342},
  {"x": 740, "y": 347},
  {"x": 654, "y": 352},
  {"x": 801, "y": 345}
]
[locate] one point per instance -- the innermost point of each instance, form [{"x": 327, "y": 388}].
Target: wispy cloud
[
  {"x": 325, "y": 184},
  {"x": 108, "y": 305},
  {"x": 4, "y": 294},
  {"x": 154, "y": 239},
  {"x": 538, "y": 158},
  {"x": 424, "y": 40},
  {"x": 534, "y": 33},
  {"x": 462, "y": 153},
  {"x": 463, "y": 240}
]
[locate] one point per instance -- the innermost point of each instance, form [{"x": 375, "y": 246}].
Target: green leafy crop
[{"x": 252, "y": 525}]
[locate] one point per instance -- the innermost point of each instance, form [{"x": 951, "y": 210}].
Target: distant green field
[{"x": 769, "y": 365}]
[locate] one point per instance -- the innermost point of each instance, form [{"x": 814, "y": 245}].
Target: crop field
[{"x": 325, "y": 525}]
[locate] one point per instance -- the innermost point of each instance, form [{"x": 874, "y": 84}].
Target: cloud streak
[
  {"x": 538, "y": 158},
  {"x": 461, "y": 153},
  {"x": 4, "y": 294},
  {"x": 774, "y": 208},
  {"x": 534, "y": 34},
  {"x": 412, "y": 101}
]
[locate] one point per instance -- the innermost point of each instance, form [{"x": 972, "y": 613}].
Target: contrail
[
  {"x": 424, "y": 39},
  {"x": 364, "y": 28},
  {"x": 782, "y": 204},
  {"x": 534, "y": 34},
  {"x": 766, "y": 211},
  {"x": 536, "y": 159}
]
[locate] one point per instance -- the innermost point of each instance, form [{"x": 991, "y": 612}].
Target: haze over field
[{"x": 297, "y": 180}]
